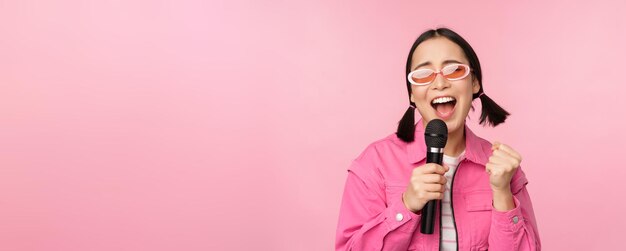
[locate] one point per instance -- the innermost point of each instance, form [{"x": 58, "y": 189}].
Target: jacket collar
[{"x": 473, "y": 149}]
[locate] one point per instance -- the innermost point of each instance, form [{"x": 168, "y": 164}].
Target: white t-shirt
[{"x": 448, "y": 231}]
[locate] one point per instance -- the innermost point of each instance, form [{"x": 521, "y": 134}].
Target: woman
[{"x": 484, "y": 203}]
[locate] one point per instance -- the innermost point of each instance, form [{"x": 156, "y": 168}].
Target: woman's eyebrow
[{"x": 444, "y": 62}]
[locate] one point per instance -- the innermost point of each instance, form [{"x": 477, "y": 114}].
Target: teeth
[{"x": 443, "y": 100}]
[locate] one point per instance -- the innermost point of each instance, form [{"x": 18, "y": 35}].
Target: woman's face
[{"x": 435, "y": 53}]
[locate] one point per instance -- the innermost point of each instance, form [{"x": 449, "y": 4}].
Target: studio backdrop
[{"x": 229, "y": 125}]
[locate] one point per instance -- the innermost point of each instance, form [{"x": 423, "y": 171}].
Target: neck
[{"x": 456, "y": 143}]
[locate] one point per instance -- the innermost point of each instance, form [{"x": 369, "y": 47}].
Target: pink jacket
[{"x": 373, "y": 217}]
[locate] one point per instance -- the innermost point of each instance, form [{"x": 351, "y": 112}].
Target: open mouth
[{"x": 444, "y": 106}]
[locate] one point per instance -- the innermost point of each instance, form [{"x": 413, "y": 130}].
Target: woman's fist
[
  {"x": 502, "y": 164},
  {"x": 427, "y": 183}
]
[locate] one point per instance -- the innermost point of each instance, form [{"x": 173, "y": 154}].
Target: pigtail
[
  {"x": 491, "y": 113},
  {"x": 406, "y": 126}
]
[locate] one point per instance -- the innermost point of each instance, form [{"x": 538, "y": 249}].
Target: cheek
[
  {"x": 467, "y": 89},
  {"x": 467, "y": 94},
  {"x": 418, "y": 94}
]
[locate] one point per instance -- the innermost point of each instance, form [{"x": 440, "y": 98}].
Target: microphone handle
[{"x": 428, "y": 212}]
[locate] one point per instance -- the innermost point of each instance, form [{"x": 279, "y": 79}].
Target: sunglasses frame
[{"x": 408, "y": 76}]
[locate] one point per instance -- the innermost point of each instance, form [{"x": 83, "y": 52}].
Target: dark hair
[{"x": 491, "y": 113}]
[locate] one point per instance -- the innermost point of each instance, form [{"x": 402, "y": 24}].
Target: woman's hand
[
  {"x": 427, "y": 183},
  {"x": 501, "y": 167}
]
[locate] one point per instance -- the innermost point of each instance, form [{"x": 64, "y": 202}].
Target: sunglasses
[{"x": 450, "y": 72}]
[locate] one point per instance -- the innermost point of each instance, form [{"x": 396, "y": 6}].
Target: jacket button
[
  {"x": 515, "y": 219},
  {"x": 399, "y": 217}
]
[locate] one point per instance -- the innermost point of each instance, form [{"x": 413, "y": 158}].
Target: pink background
[{"x": 229, "y": 125}]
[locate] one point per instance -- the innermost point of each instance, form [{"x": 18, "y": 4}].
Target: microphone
[{"x": 436, "y": 136}]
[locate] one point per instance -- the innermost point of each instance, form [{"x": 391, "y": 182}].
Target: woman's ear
[{"x": 475, "y": 86}]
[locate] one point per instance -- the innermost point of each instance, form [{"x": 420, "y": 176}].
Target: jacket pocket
[
  {"x": 478, "y": 200},
  {"x": 478, "y": 205}
]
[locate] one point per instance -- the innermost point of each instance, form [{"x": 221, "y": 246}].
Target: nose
[{"x": 440, "y": 83}]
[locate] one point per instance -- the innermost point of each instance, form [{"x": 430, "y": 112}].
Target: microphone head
[{"x": 436, "y": 134}]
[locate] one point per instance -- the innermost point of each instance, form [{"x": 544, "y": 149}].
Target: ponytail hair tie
[{"x": 491, "y": 112}]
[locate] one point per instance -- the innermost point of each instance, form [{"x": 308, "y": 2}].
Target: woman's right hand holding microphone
[{"x": 427, "y": 183}]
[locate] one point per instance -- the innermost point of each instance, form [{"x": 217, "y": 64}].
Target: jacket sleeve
[
  {"x": 515, "y": 229},
  {"x": 366, "y": 221}
]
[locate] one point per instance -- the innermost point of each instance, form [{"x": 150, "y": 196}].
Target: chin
[{"x": 455, "y": 125}]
